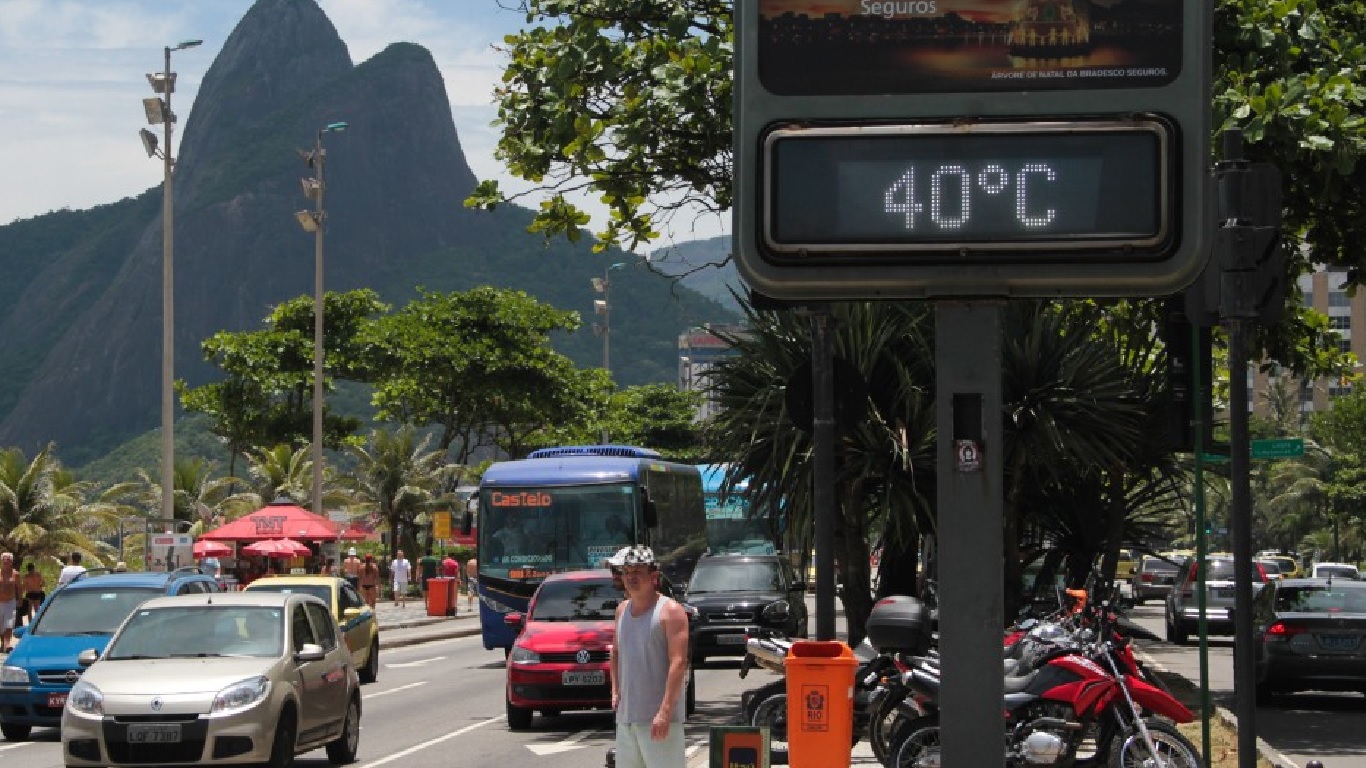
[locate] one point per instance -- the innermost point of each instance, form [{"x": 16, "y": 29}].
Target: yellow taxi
[
  {"x": 1124, "y": 567},
  {"x": 355, "y": 620}
]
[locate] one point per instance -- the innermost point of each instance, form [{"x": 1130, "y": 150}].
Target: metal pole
[
  {"x": 319, "y": 155},
  {"x": 167, "y": 305},
  {"x": 823, "y": 470},
  {"x": 1244, "y": 672},
  {"x": 1199, "y": 429},
  {"x": 606, "y": 336}
]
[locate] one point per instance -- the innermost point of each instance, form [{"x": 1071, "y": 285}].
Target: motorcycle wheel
[
  {"x": 915, "y": 744},
  {"x": 754, "y": 698},
  {"x": 1129, "y": 750},
  {"x": 882, "y": 722},
  {"x": 771, "y": 713}
]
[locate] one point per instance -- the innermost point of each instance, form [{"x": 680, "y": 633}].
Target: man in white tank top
[{"x": 649, "y": 666}]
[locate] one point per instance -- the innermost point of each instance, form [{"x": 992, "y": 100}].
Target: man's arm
[
  {"x": 675, "y": 622},
  {"x": 612, "y": 658}
]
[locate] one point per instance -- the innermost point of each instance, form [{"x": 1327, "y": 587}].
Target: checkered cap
[{"x": 635, "y": 555}]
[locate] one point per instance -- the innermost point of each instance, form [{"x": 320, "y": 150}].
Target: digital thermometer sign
[{"x": 983, "y": 190}]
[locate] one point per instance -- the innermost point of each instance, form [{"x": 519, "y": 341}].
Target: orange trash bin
[
  {"x": 820, "y": 703},
  {"x": 441, "y": 596}
]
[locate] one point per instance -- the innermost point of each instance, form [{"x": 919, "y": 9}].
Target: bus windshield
[{"x": 528, "y": 533}]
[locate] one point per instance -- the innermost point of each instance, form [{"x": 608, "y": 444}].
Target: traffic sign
[
  {"x": 924, "y": 148},
  {"x": 1279, "y": 448}
]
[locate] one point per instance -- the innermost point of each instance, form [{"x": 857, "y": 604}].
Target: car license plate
[
  {"x": 160, "y": 733},
  {"x": 591, "y": 677},
  {"x": 730, "y": 639},
  {"x": 1339, "y": 642},
  {"x": 56, "y": 700}
]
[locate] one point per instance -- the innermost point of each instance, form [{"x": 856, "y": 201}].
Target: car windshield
[
  {"x": 1321, "y": 599},
  {"x": 320, "y": 591},
  {"x": 753, "y": 576},
  {"x": 576, "y": 600},
  {"x": 1270, "y": 566},
  {"x": 200, "y": 631},
  {"x": 1222, "y": 570},
  {"x": 1336, "y": 571},
  {"x": 1159, "y": 565},
  {"x": 89, "y": 611}
]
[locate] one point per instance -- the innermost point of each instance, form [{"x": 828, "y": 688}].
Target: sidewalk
[{"x": 410, "y": 624}]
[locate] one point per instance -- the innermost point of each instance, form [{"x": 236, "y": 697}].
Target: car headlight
[
  {"x": 776, "y": 611},
  {"x": 14, "y": 675},
  {"x": 85, "y": 699},
  {"x": 241, "y": 695},
  {"x": 522, "y": 655}
]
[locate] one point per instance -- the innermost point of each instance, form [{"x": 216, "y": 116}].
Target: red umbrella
[
  {"x": 277, "y": 548},
  {"x": 203, "y": 548},
  {"x": 281, "y": 519}
]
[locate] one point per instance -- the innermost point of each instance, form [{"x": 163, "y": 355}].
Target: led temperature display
[{"x": 987, "y": 187}]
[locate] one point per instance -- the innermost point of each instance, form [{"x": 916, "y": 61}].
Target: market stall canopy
[
  {"x": 204, "y": 548},
  {"x": 277, "y": 548},
  {"x": 281, "y": 519}
]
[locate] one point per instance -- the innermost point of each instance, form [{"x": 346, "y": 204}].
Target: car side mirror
[
  {"x": 87, "y": 657},
  {"x": 20, "y": 631},
  {"x": 467, "y": 523},
  {"x": 351, "y": 613},
  {"x": 513, "y": 620},
  {"x": 310, "y": 652},
  {"x": 651, "y": 513}
]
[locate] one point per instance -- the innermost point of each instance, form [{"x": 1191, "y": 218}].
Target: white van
[{"x": 1336, "y": 571}]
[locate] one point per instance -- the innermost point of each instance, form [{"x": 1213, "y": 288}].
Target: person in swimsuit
[
  {"x": 369, "y": 581},
  {"x": 35, "y": 590}
]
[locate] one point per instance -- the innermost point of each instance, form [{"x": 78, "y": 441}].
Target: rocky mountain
[{"x": 81, "y": 312}]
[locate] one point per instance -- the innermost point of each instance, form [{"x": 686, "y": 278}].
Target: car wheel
[
  {"x": 1136, "y": 601},
  {"x": 343, "y": 750},
  {"x": 286, "y": 738},
  {"x": 519, "y": 718},
  {"x": 1176, "y": 634},
  {"x": 15, "y": 732},
  {"x": 698, "y": 659},
  {"x": 370, "y": 672}
]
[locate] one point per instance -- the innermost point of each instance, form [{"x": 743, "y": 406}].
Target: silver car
[
  {"x": 1152, "y": 579},
  {"x": 1183, "y": 607},
  {"x": 243, "y": 677}
]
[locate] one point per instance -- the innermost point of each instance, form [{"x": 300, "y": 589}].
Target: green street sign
[
  {"x": 1214, "y": 458},
  {"x": 1280, "y": 448}
]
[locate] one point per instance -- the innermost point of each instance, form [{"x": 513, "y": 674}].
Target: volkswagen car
[
  {"x": 355, "y": 620},
  {"x": 243, "y": 677},
  {"x": 560, "y": 659}
]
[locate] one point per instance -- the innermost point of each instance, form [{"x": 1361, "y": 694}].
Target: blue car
[{"x": 39, "y": 672}]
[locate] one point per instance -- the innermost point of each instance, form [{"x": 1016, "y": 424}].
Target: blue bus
[
  {"x": 731, "y": 526},
  {"x": 569, "y": 508}
]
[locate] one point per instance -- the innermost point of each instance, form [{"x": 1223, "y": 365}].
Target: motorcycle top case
[{"x": 900, "y": 624}]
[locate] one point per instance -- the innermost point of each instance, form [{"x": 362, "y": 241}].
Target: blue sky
[{"x": 72, "y": 83}]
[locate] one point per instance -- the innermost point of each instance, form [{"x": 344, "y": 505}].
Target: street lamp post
[
  {"x": 312, "y": 221},
  {"x": 603, "y": 306},
  {"x": 158, "y": 109}
]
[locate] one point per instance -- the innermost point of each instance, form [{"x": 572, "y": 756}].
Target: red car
[{"x": 559, "y": 661}]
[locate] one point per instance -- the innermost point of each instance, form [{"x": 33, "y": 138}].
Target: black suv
[{"x": 738, "y": 593}]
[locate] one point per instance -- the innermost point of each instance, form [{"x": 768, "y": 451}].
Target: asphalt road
[{"x": 1307, "y": 726}]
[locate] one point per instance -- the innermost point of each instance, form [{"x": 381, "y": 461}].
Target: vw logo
[
  {"x": 156, "y": 704},
  {"x": 581, "y": 657},
  {"x": 72, "y": 675}
]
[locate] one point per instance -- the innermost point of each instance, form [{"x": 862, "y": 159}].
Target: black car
[
  {"x": 1309, "y": 634},
  {"x": 733, "y": 594}
]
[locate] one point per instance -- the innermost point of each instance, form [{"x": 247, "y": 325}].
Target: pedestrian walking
[
  {"x": 10, "y": 589},
  {"x": 649, "y": 663},
  {"x": 71, "y": 570},
  {"x": 401, "y": 570},
  {"x": 369, "y": 580},
  {"x": 427, "y": 566},
  {"x": 471, "y": 581},
  {"x": 35, "y": 590},
  {"x": 351, "y": 568}
]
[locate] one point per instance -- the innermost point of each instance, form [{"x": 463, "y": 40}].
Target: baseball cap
[
  {"x": 634, "y": 555},
  {"x": 351, "y": 552}
]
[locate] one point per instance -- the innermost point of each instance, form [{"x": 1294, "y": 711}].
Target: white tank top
[{"x": 643, "y": 662}]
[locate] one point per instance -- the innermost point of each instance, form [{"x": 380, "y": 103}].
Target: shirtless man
[
  {"x": 471, "y": 579},
  {"x": 351, "y": 568},
  {"x": 9, "y": 600},
  {"x": 35, "y": 591}
]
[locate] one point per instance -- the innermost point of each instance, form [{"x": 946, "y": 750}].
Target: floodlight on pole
[
  {"x": 312, "y": 221},
  {"x": 158, "y": 111},
  {"x": 603, "y": 307}
]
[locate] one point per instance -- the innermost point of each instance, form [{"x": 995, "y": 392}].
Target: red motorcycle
[{"x": 1077, "y": 704}]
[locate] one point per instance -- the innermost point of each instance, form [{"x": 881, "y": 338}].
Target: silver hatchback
[
  {"x": 1183, "y": 607},
  {"x": 244, "y": 677},
  {"x": 1152, "y": 579}
]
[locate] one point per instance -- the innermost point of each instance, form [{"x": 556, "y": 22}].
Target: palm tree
[
  {"x": 200, "y": 498},
  {"x": 1302, "y": 492},
  {"x": 44, "y": 511},
  {"x": 397, "y": 477}
]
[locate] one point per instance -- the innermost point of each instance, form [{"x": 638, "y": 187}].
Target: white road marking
[
  {"x": 394, "y": 690},
  {"x": 417, "y": 663},
  {"x": 431, "y": 742},
  {"x": 17, "y": 745},
  {"x": 564, "y": 746}
]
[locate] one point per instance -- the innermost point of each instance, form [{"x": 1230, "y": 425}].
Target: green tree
[
  {"x": 200, "y": 496},
  {"x": 460, "y": 361},
  {"x": 266, "y": 396},
  {"x": 397, "y": 477},
  {"x": 45, "y": 512},
  {"x": 656, "y": 416}
]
